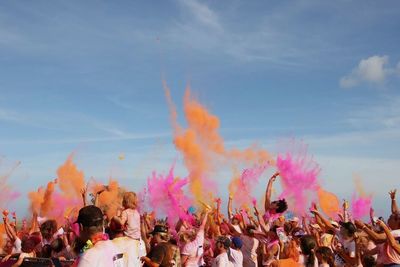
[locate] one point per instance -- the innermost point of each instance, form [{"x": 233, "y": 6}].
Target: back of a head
[
  {"x": 326, "y": 254},
  {"x": 28, "y": 245},
  {"x": 48, "y": 228},
  {"x": 116, "y": 228},
  {"x": 129, "y": 200},
  {"x": 282, "y": 206},
  {"x": 90, "y": 216},
  {"x": 57, "y": 245},
  {"x": 308, "y": 245}
]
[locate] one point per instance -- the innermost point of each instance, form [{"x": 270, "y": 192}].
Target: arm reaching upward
[
  {"x": 268, "y": 191},
  {"x": 394, "y": 207}
]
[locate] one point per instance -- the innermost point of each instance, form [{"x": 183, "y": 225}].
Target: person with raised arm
[
  {"x": 193, "y": 249},
  {"x": 274, "y": 208},
  {"x": 394, "y": 219},
  {"x": 346, "y": 234}
]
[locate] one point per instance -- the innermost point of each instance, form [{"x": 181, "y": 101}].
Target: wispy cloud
[
  {"x": 202, "y": 14},
  {"x": 373, "y": 70}
]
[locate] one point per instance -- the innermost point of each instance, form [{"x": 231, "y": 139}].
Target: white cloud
[
  {"x": 202, "y": 13},
  {"x": 373, "y": 70}
]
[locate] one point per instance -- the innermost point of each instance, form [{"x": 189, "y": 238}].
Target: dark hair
[
  {"x": 308, "y": 244},
  {"x": 57, "y": 245},
  {"x": 28, "y": 245},
  {"x": 46, "y": 251},
  {"x": 349, "y": 227},
  {"x": 282, "y": 205},
  {"x": 369, "y": 261},
  {"x": 327, "y": 255},
  {"x": 48, "y": 229}
]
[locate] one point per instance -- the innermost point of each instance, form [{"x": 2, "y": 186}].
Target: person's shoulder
[{"x": 395, "y": 233}]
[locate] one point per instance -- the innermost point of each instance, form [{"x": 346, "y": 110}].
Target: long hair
[
  {"x": 308, "y": 245},
  {"x": 327, "y": 255}
]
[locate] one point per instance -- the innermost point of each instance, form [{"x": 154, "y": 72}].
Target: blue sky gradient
[{"x": 86, "y": 76}]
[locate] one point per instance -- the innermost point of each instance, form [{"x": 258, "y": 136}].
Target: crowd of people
[{"x": 206, "y": 237}]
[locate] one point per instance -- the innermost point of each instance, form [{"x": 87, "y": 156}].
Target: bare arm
[
  {"x": 268, "y": 191},
  {"x": 261, "y": 222},
  {"x": 325, "y": 221},
  {"x": 375, "y": 237},
  {"x": 230, "y": 207},
  {"x": 394, "y": 207},
  {"x": 392, "y": 242}
]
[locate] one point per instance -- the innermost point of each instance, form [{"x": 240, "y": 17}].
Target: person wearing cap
[
  {"x": 162, "y": 253},
  {"x": 235, "y": 253},
  {"x": 129, "y": 246},
  {"x": 97, "y": 250},
  {"x": 222, "y": 245}
]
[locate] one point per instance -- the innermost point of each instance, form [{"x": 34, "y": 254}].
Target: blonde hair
[{"x": 129, "y": 200}]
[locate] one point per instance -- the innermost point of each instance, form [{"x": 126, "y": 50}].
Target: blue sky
[{"x": 85, "y": 76}]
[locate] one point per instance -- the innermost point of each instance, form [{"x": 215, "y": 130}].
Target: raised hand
[{"x": 393, "y": 194}]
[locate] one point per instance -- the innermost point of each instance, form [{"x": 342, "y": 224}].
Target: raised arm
[
  {"x": 394, "y": 207},
  {"x": 268, "y": 191},
  {"x": 325, "y": 221},
  {"x": 264, "y": 227},
  {"x": 83, "y": 194},
  {"x": 230, "y": 207},
  {"x": 392, "y": 242},
  {"x": 375, "y": 237}
]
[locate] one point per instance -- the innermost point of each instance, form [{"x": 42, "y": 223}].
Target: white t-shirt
[
  {"x": 103, "y": 254},
  {"x": 236, "y": 257},
  {"x": 130, "y": 249},
  {"x": 194, "y": 250},
  {"x": 17, "y": 246},
  {"x": 249, "y": 250},
  {"x": 222, "y": 261}
]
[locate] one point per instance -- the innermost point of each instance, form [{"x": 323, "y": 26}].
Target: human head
[
  {"x": 294, "y": 222},
  {"x": 90, "y": 221},
  {"x": 116, "y": 228},
  {"x": 236, "y": 219},
  {"x": 28, "y": 244},
  {"x": 394, "y": 221},
  {"x": 325, "y": 255},
  {"x": 222, "y": 244},
  {"x": 237, "y": 243},
  {"x": 57, "y": 245},
  {"x": 160, "y": 234},
  {"x": 308, "y": 245},
  {"x": 48, "y": 228},
  {"x": 347, "y": 230},
  {"x": 129, "y": 200},
  {"x": 278, "y": 206}
]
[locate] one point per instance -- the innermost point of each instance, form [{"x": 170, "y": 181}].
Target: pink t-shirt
[
  {"x": 132, "y": 218},
  {"x": 194, "y": 250},
  {"x": 387, "y": 255}
]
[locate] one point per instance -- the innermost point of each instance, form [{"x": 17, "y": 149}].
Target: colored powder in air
[
  {"x": 36, "y": 199},
  {"x": 246, "y": 184},
  {"x": 329, "y": 203},
  {"x": 203, "y": 148},
  {"x": 360, "y": 206},
  {"x": 47, "y": 203},
  {"x": 7, "y": 194},
  {"x": 166, "y": 196},
  {"x": 111, "y": 199},
  {"x": 70, "y": 180},
  {"x": 298, "y": 174},
  {"x": 361, "y": 202}
]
